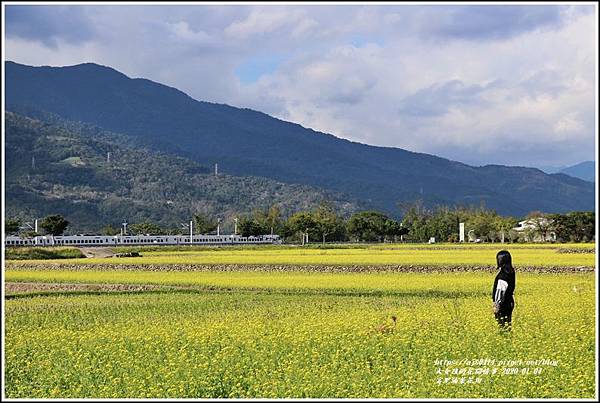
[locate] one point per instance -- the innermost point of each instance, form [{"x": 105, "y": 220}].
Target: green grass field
[
  {"x": 35, "y": 253},
  {"x": 297, "y": 333}
]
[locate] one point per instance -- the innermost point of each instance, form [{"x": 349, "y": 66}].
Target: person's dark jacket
[{"x": 504, "y": 284}]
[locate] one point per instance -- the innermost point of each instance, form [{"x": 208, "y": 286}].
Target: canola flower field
[
  {"x": 398, "y": 254},
  {"x": 299, "y": 334}
]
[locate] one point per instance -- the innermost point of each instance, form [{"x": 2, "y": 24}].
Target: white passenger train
[{"x": 118, "y": 240}]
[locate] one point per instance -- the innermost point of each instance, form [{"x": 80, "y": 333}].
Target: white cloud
[
  {"x": 304, "y": 26},
  {"x": 182, "y": 31},
  {"x": 569, "y": 123},
  {"x": 262, "y": 21},
  {"x": 515, "y": 87}
]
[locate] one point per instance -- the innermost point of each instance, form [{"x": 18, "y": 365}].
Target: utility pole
[
  {"x": 124, "y": 229},
  {"x": 218, "y": 226},
  {"x": 108, "y": 157},
  {"x": 35, "y": 224},
  {"x": 27, "y": 225},
  {"x": 235, "y": 220},
  {"x": 216, "y": 169},
  {"x": 191, "y": 231}
]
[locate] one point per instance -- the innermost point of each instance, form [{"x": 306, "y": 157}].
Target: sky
[{"x": 482, "y": 84}]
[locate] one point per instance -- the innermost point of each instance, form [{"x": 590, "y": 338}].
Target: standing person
[{"x": 504, "y": 287}]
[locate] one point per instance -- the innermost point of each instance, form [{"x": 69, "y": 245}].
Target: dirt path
[
  {"x": 97, "y": 252},
  {"x": 16, "y": 288},
  {"x": 176, "y": 267}
]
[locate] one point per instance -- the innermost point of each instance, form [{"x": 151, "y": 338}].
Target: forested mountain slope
[
  {"x": 246, "y": 142},
  {"x": 70, "y": 174}
]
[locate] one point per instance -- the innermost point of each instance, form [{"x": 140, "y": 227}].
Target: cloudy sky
[{"x": 504, "y": 84}]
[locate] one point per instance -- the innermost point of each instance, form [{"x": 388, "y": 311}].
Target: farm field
[
  {"x": 387, "y": 254},
  {"x": 76, "y": 329}
]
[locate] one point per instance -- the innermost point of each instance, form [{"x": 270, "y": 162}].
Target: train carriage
[{"x": 119, "y": 240}]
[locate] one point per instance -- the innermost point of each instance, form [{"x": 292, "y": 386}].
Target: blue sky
[
  {"x": 257, "y": 66},
  {"x": 504, "y": 84}
]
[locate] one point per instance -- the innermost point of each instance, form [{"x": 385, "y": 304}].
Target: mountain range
[
  {"x": 95, "y": 178},
  {"x": 246, "y": 143},
  {"x": 584, "y": 170}
]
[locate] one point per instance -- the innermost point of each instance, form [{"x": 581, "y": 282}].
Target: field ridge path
[{"x": 97, "y": 252}]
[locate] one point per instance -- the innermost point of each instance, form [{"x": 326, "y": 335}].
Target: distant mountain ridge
[
  {"x": 584, "y": 170},
  {"x": 246, "y": 142}
]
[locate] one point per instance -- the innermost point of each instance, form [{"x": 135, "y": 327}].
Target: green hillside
[{"x": 70, "y": 174}]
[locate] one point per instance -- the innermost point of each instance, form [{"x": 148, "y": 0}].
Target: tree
[
  {"x": 269, "y": 220},
  {"x": 110, "y": 230},
  {"x": 248, "y": 226},
  {"x": 145, "y": 228},
  {"x": 585, "y": 225},
  {"x": 394, "y": 229},
  {"x": 503, "y": 226},
  {"x": 367, "y": 226},
  {"x": 175, "y": 231},
  {"x": 512, "y": 235},
  {"x": 327, "y": 221},
  {"x": 415, "y": 219},
  {"x": 481, "y": 222},
  {"x": 442, "y": 224},
  {"x": 54, "y": 224},
  {"x": 542, "y": 224},
  {"x": 204, "y": 224},
  {"x": 28, "y": 234},
  {"x": 528, "y": 234},
  {"x": 11, "y": 226},
  {"x": 273, "y": 219},
  {"x": 576, "y": 226},
  {"x": 303, "y": 222}
]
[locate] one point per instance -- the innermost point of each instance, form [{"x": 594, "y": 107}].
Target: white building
[{"x": 530, "y": 229}]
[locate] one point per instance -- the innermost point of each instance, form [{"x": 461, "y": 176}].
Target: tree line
[{"x": 324, "y": 224}]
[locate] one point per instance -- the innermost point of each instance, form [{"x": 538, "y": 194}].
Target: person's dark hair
[{"x": 504, "y": 261}]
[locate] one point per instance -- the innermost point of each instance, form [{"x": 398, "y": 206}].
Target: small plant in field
[{"x": 386, "y": 327}]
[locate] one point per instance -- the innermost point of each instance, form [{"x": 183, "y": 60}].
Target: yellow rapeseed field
[
  {"x": 387, "y": 254},
  {"x": 300, "y": 334}
]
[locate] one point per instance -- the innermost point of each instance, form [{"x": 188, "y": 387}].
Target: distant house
[{"x": 529, "y": 230}]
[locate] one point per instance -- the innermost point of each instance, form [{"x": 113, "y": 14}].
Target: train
[{"x": 125, "y": 240}]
